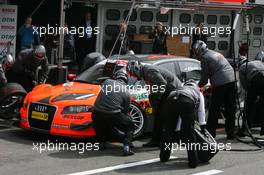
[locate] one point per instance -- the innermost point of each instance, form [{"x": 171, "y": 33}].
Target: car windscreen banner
[{"x": 8, "y": 28}]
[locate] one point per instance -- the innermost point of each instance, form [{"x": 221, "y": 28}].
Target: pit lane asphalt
[{"x": 18, "y": 157}]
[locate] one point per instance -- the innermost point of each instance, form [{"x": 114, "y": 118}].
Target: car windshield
[
  {"x": 95, "y": 75},
  {"x": 92, "y": 75}
]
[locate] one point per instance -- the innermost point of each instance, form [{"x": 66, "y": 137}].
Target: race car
[{"x": 66, "y": 109}]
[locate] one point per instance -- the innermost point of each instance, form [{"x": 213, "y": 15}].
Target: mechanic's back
[{"x": 113, "y": 98}]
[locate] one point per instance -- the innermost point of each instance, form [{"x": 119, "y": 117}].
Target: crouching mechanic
[
  {"x": 161, "y": 82},
  {"x": 183, "y": 103},
  {"x": 26, "y": 65},
  {"x": 111, "y": 111},
  {"x": 5, "y": 65},
  {"x": 251, "y": 76},
  {"x": 222, "y": 78}
]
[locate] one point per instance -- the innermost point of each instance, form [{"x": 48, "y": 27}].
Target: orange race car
[{"x": 66, "y": 109}]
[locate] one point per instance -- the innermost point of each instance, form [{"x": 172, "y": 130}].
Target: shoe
[
  {"x": 151, "y": 144},
  {"x": 192, "y": 164},
  {"x": 127, "y": 151},
  {"x": 164, "y": 154}
]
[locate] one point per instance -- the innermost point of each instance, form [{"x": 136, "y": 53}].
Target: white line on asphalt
[
  {"x": 118, "y": 167},
  {"x": 210, "y": 172}
]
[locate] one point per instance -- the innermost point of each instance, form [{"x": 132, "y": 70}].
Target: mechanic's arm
[
  {"x": 204, "y": 74},
  {"x": 201, "y": 110},
  {"x": 45, "y": 68},
  {"x": 156, "y": 79},
  {"x": 126, "y": 103},
  {"x": 242, "y": 79}
]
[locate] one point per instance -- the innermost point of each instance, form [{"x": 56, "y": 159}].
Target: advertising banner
[{"x": 8, "y": 28}]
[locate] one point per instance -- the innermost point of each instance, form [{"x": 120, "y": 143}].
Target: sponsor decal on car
[{"x": 74, "y": 117}]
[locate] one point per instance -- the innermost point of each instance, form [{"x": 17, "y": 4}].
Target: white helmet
[
  {"x": 39, "y": 52},
  {"x": 199, "y": 48},
  {"x": 260, "y": 56}
]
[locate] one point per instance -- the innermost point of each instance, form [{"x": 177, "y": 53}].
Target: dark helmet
[
  {"x": 39, "y": 52},
  {"x": 92, "y": 59},
  {"x": 8, "y": 61},
  {"x": 199, "y": 48},
  {"x": 190, "y": 82},
  {"x": 121, "y": 74},
  {"x": 133, "y": 68},
  {"x": 260, "y": 56}
]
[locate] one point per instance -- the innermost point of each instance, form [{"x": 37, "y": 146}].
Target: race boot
[{"x": 127, "y": 151}]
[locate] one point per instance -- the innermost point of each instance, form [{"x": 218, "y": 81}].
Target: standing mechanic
[
  {"x": 165, "y": 82},
  {"x": 111, "y": 111},
  {"x": 251, "y": 76},
  {"x": 6, "y": 64},
  {"x": 26, "y": 65},
  {"x": 185, "y": 103},
  {"x": 221, "y": 74}
]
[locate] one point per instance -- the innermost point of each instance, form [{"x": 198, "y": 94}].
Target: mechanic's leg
[
  {"x": 171, "y": 116},
  {"x": 100, "y": 128},
  {"x": 124, "y": 123},
  {"x": 230, "y": 110},
  {"x": 157, "y": 127},
  {"x": 188, "y": 117},
  {"x": 250, "y": 106},
  {"x": 214, "y": 110}
]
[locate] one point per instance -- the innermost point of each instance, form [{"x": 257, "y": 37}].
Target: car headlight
[{"x": 76, "y": 109}]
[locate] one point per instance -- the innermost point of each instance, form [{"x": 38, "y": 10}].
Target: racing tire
[
  {"x": 207, "y": 141},
  {"x": 138, "y": 117},
  {"x": 11, "y": 100}
]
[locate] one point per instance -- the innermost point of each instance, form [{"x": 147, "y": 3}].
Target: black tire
[
  {"x": 142, "y": 118},
  {"x": 11, "y": 100},
  {"x": 205, "y": 155}
]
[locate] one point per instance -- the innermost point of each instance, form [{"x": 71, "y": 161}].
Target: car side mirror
[{"x": 71, "y": 77}]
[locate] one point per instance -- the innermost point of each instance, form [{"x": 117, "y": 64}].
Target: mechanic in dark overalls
[
  {"x": 165, "y": 82},
  {"x": 185, "y": 102},
  {"x": 5, "y": 65},
  {"x": 251, "y": 76},
  {"x": 222, "y": 78},
  {"x": 111, "y": 111},
  {"x": 26, "y": 65}
]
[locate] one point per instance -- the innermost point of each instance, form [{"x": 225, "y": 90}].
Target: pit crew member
[
  {"x": 165, "y": 82},
  {"x": 221, "y": 74},
  {"x": 111, "y": 111},
  {"x": 181, "y": 108}
]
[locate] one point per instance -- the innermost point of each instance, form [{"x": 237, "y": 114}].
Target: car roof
[{"x": 152, "y": 58}]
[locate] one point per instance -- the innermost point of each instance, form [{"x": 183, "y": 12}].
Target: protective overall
[
  {"x": 26, "y": 65},
  {"x": 161, "y": 82},
  {"x": 217, "y": 69},
  {"x": 251, "y": 76},
  {"x": 111, "y": 111},
  {"x": 183, "y": 103}
]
